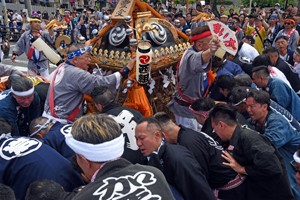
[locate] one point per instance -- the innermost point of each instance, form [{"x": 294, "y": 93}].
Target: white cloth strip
[
  {"x": 240, "y": 102},
  {"x": 24, "y": 93},
  {"x": 97, "y": 152},
  {"x": 296, "y": 158},
  {"x": 40, "y": 127}
]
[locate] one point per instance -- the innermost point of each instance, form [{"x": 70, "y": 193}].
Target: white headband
[
  {"x": 24, "y": 93},
  {"x": 40, "y": 127},
  {"x": 5, "y": 136},
  {"x": 240, "y": 102},
  {"x": 97, "y": 152},
  {"x": 296, "y": 158}
]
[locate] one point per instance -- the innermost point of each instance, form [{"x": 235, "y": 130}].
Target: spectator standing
[
  {"x": 282, "y": 47},
  {"x": 92, "y": 24},
  {"x": 183, "y": 27},
  {"x": 291, "y": 33},
  {"x": 259, "y": 32},
  {"x": 17, "y": 18}
]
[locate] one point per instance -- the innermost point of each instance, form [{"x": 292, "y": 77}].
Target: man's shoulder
[
  {"x": 174, "y": 152},
  {"x": 275, "y": 118},
  {"x": 121, "y": 172}
]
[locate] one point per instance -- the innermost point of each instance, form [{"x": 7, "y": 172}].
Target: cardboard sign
[{"x": 226, "y": 36}]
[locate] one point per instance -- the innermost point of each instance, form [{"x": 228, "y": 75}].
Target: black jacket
[
  {"x": 290, "y": 74},
  {"x": 182, "y": 171},
  {"x": 127, "y": 119},
  {"x": 208, "y": 154},
  {"x": 244, "y": 63},
  {"x": 267, "y": 177},
  {"x": 120, "y": 178}
]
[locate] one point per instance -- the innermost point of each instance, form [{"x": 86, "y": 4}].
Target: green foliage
[
  {"x": 224, "y": 2},
  {"x": 190, "y": 1},
  {"x": 268, "y": 3}
]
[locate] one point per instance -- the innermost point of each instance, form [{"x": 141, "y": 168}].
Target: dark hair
[
  {"x": 162, "y": 117},
  {"x": 44, "y": 189},
  {"x": 272, "y": 50},
  {"x": 152, "y": 124},
  {"x": 38, "y": 121},
  {"x": 261, "y": 71},
  {"x": 217, "y": 63},
  {"x": 239, "y": 93},
  {"x": 5, "y": 126},
  {"x": 6, "y": 193},
  {"x": 248, "y": 37},
  {"x": 75, "y": 165},
  {"x": 203, "y": 104},
  {"x": 199, "y": 30},
  {"x": 226, "y": 82},
  {"x": 22, "y": 84},
  {"x": 102, "y": 95},
  {"x": 243, "y": 80},
  {"x": 225, "y": 113},
  {"x": 262, "y": 60},
  {"x": 261, "y": 97},
  {"x": 12, "y": 78},
  {"x": 282, "y": 37}
]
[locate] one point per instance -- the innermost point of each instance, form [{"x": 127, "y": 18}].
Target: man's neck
[
  {"x": 266, "y": 81},
  {"x": 287, "y": 30},
  {"x": 262, "y": 120},
  {"x": 283, "y": 53}
]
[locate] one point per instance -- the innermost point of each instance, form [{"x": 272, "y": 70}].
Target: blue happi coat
[{"x": 55, "y": 138}]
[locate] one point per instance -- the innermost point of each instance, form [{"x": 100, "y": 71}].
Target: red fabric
[
  {"x": 31, "y": 50},
  {"x": 200, "y": 36},
  {"x": 74, "y": 114},
  {"x": 68, "y": 19}
]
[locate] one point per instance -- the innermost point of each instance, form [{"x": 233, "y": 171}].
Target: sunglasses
[
  {"x": 293, "y": 165},
  {"x": 288, "y": 23}
]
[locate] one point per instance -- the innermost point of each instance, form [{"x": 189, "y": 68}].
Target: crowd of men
[{"x": 235, "y": 135}]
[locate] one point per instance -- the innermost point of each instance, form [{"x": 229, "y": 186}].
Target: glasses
[
  {"x": 293, "y": 165},
  {"x": 287, "y": 23}
]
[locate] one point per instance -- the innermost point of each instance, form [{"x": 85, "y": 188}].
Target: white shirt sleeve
[{"x": 118, "y": 77}]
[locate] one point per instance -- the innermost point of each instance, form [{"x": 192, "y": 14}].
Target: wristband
[
  {"x": 124, "y": 71},
  {"x": 14, "y": 54}
]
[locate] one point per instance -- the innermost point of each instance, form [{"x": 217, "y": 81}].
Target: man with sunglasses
[
  {"x": 71, "y": 81},
  {"x": 288, "y": 31}
]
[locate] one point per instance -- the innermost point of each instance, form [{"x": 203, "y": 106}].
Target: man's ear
[
  {"x": 99, "y": 107},
  {"x": 222, "y": 124},
  {"x": 164, "y": 134},
  {"x": 157, "y": 135}
]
